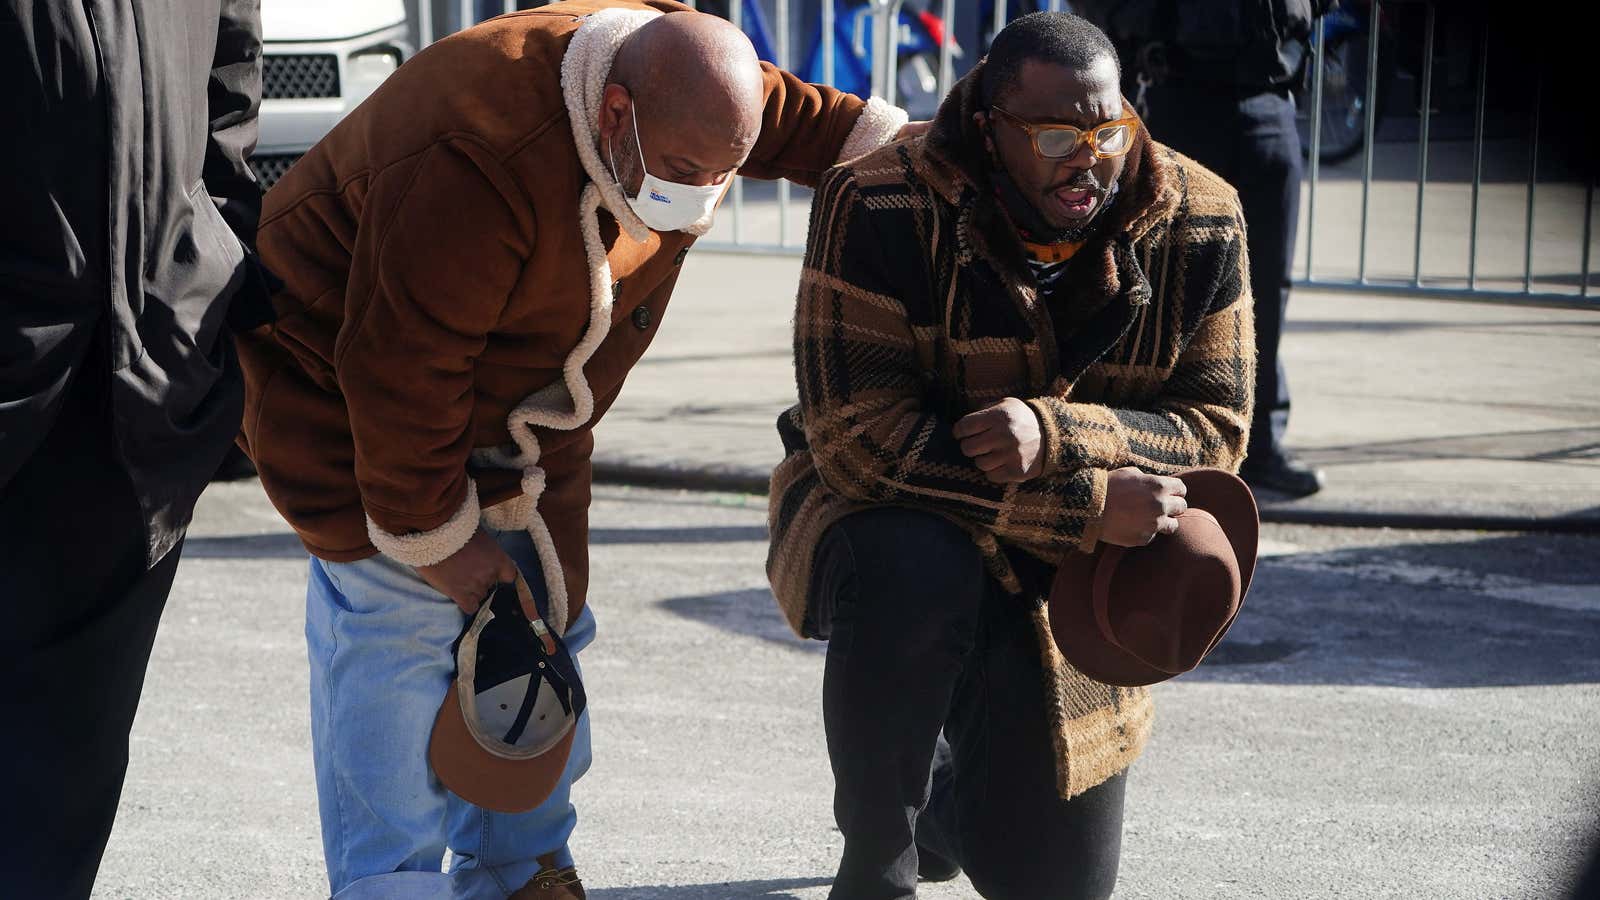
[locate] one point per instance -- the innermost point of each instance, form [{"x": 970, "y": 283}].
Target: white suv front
[{"x": 320, "y": 60}]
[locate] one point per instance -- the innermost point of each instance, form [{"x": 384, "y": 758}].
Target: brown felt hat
[
  {"x": 1136, "y": 616},
  {"x": 505, "y": 730}
]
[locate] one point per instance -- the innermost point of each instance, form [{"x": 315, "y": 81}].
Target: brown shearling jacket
[{"x": 465, "y": 293}]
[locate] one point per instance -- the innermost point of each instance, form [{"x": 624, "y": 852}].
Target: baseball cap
[{"x": 504, "y": 732}]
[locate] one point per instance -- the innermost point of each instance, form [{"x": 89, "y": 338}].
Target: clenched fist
[
  {"x": 1003, "y": 440},
  {"x": 1140, "y": 506}
]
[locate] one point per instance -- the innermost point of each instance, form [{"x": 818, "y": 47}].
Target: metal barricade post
[
  {"x": 1422, "y": 146},
  {"x": 1371, "y": 131},
  {"x": 947, "y": 49},
  {"x": 1477, "y": 158},
  {"x": 1588, "y": 235},
  {"x": 1533, "y": 183},
  {"x": 1318, "y": 48}
]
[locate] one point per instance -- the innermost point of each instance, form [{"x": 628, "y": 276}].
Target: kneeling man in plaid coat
[{"x": 1011, "y": 331}]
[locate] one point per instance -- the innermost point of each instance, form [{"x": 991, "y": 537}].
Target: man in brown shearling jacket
[{"x": 474, "y": 260}]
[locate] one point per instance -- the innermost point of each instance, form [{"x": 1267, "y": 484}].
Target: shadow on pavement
[
  {"x": 287, "y": 546},
  {"x": 245, "y": 546},
  {"x": 773, "y": 889},
  {"x": 1515, "y": 610},
  {"x": 1340, "y": 326},
  {"x": 752, "y": 612},
  {"x": 1578, "y": 445},
  {"x": 779, "y": 353},
  {"x": 706, "y": 535}
]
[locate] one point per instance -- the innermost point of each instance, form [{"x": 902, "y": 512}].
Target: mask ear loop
[
  {"x": 611, "y": 161},
  {"x": 638, "y": 144},
  {"x": 611, "y": 149}
]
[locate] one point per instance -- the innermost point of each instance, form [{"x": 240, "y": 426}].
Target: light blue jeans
[{"x": 379, "y": 642}]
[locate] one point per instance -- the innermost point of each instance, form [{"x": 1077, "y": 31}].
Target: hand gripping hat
[
  {"x": 505, "y": 729},
  {"x": 1136, "y": 616}
]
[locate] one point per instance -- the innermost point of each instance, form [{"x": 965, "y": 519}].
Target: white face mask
[{"x": 667, "y": 205}]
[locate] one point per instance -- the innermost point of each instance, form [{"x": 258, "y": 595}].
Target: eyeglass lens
[{"x": 1062, "y": 142}]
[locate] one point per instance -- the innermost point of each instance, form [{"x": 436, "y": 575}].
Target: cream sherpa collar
[{"x": 584, "y": 71}]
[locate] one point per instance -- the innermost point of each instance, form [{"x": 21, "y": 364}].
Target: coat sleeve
[
  {"x": 233, "y": 101},
  {"x": 438, "y": 268},
  {"x": 808, "y": 128},
  {"x": 1202, "y": 415},
  {"x": 233, "y": 96},
  {"x": 872, "y": 438}
]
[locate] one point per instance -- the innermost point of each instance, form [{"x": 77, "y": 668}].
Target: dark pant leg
[
  {"x": 996, "y": 809},
  {"x": 1268, "y": 182},
  {"x": 901, "y": 591},
  {"x": 81, "y": 614},
  {"x": 1252, "y": 143}
]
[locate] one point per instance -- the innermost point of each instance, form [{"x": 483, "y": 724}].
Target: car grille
[
  {"x": 271, "y": 166},
  {"x": 299, "y": 76}
]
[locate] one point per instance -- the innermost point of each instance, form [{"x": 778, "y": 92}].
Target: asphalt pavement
[{"x": 1396, "y": 714}]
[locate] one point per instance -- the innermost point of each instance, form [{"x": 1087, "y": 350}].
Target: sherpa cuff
[
  {"x": 427, "y": 548},
  {"x": 878, "y": 125}
]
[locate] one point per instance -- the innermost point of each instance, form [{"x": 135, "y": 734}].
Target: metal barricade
[
  {"x": 1509, "y": 276},
  {"x": 1444, "y": 253}
]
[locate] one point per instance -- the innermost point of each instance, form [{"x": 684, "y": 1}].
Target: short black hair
[{"x": 1053, "y": 37}]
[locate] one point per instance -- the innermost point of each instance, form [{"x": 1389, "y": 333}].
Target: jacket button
[
  {"x": 682, "y": 253},
  {"x": 641, "y": 318},
  {"x": 616, "y": 290}
]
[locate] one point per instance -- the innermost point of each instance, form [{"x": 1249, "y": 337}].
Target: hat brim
[
  {"x": 1071, "y": 602},
  {"x": 1233, "y": 504},
  {"x": 484, "y": 779}
]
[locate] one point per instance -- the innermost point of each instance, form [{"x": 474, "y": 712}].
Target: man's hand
[
  {"x": 1003, "y": 440},
  {"x": 1140, "y": 506},
  {"x": 468, "y": 575},
  {"x": 912, "y": 129}
]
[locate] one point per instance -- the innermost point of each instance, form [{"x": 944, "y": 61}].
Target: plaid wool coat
[{"x": 916, "y": 306}]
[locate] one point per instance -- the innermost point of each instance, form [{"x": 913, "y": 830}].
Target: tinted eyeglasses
[{"x": 1054, "y": 141}]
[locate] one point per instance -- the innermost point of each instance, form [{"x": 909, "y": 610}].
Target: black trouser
[
  {"x": 1252, "y": 142},
  {"x": 81, "y": 610},
  {"x": 923, "y": 639}
]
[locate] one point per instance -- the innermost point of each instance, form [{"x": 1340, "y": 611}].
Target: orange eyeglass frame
[{"x": 1033, "y": 129}]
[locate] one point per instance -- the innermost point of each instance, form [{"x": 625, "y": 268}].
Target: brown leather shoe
[{"x": 551, "y": 883}]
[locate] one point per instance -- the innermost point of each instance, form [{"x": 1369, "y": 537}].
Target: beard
[
  {"x": 1078, "y": 231},
  {"x": 1025, "y": 210},
  {"x": 626, "y": 162}
]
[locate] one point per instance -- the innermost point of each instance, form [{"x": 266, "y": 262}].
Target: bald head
[
  {"x": 688, "y": 60},
  {"x": 694, "y": 83}
]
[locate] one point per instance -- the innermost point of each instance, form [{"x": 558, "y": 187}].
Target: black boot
[{"x": 1281, "y": 473}]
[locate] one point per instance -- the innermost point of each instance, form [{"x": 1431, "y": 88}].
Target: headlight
[{"x": 368, "y": 68}]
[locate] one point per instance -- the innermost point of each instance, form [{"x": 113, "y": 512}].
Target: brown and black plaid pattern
[{"x": 916, "y": 306}]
